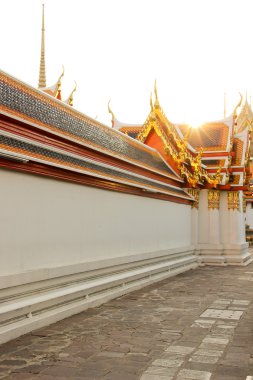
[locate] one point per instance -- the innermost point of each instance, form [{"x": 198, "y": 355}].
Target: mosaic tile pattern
[
  {"x": 63, "y": 159},
  {"x": 44, "y": 112}
]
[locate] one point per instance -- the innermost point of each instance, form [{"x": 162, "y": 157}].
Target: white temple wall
[
  {"x": 46, "y": 223},
  {"x": 66, "y": 247}
]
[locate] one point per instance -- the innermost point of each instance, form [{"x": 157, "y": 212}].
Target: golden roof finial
[
  {"x": 151, "y": 101},
  {"x": 58, "y": 85},
  {"x": 156, "y": 96},
  {"x": 110, "y": 111},
  {"x": 237, "y": 106},
  {"x": 70, "y": 98},
  {"x": 62, "y": 74},
  {"x": 42, "y": 74}
]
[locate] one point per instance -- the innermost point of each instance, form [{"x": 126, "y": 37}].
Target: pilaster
[
  {"x": 210, "y": 247},
  {"x": 235, "y": 246}
]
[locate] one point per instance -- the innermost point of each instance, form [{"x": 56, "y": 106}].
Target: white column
[
  {"x": 235, "y": 246},
  {"x": 203, "y": 218},
  {"x": 210, "y": 247},
  {"x": 224, "y": 218},
  {"x": 214, "y": 226}
]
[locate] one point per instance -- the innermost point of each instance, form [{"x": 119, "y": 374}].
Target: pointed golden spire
[
  {"x": 110, "y": 111},
  {"x": 151, "y": 101},
  {"x": 156, "y": 96},
  {"x": 42, "y": 75},
  {"x": 225, "y": 111},
  {"x": 58, "y": 85},
  {"x": 69, "y": 101},
  {"x": 237, "y": 106}
]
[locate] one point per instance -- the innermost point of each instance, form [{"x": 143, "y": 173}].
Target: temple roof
[
  {"x": 131, "y": 130},
  {"x": 189, "y": 157},
  {"x": 131, "y": 163},
  {"x": 212, "y": 136},
  {"x": 214, "y": 154},
  {"x": 18, "y": 98}
]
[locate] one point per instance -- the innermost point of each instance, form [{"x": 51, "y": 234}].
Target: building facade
[{"x": 90, "y": 212}]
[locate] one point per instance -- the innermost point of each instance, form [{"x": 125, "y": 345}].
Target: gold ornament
[{"x": 213, "y": 199}]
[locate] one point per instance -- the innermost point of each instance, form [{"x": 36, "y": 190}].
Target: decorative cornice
[
  {"x": 37, "y": 152},
  {"x": 66, "y": 175},
  {"x": 27, "y": 131}
]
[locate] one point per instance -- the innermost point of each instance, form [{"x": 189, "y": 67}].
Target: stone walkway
[{"x": 197, "y": 325}]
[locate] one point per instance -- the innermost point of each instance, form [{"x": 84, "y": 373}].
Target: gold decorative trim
[
  {"x": 233, "y": 200},
  {"x": 195, "y": 194},
  {"x": 213, "y": 199}
]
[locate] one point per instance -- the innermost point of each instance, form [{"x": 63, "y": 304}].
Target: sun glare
[{"x": 195, "y": 124}]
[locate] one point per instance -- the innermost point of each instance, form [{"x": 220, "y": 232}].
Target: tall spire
[{"x": 42, "y": 76}]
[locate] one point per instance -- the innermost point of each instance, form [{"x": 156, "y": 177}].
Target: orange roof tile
[
  {"x": 238, "y": 149},
  {"x": 209, "y": 136}
]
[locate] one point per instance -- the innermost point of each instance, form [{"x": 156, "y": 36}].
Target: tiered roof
[
  {"x": 213, "y": 155},
  {"x": 52, "y": 138}
]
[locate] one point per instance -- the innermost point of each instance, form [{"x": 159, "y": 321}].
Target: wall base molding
[
  {"x": 238, "y": 254},
  {"x": 32, "y": 305},
  {"x": 211, "y": 254},
  {"x": 223, "y": 255}
]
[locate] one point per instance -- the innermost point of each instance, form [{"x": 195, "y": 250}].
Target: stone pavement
[{"x": 197, "y": 325}]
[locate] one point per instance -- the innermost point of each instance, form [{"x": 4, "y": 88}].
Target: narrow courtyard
[{"x": 197, "y": 325}]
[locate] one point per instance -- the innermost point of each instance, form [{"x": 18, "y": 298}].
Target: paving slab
[{"x": 197, "y": 325}]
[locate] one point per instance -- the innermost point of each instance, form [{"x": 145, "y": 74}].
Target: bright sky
[{"x": 197, "y": 50}]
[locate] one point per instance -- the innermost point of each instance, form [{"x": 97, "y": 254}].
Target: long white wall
[
  {"x": 46, "y": 223},
  {"x": 66, "y": 247}
]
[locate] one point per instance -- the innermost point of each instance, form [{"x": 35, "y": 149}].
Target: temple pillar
[
  {"x": 233, "y": 229},
  {"x": 224, "y": 218},
  {"x": 209, "y": 242}
]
